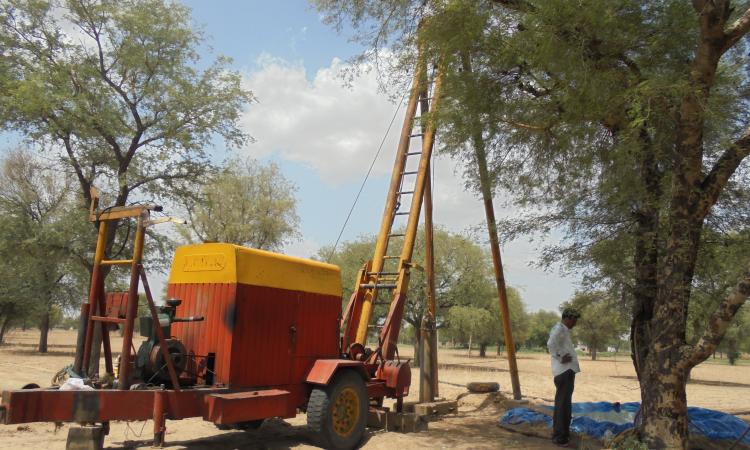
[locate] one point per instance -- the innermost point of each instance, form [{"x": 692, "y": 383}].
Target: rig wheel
[{"x": 337, "y": 413}]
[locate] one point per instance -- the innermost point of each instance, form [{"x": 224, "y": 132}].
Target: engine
[{"x": 150, "y": 364}]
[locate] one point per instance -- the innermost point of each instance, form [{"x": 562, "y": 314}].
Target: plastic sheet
[{"x": 604, "y": 419}]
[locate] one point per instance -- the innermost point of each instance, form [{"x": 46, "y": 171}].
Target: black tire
[{"x": 337, "y": 413}]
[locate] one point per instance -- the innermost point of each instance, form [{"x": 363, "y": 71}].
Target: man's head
[{"x": 570, "y": 317}]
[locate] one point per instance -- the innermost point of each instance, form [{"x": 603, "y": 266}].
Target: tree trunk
[
  {"x": 732, "y": 352},
  {"x": 469, "y": 352},
  {"x": 44, "y": 330},
  {"x": 4, "y": 328},
  {"x": 663, "y": 404},
  {"x": 593, "y": 353},
  {"x": 417, "y": 346},
  {"x": 482, "y": 350},
  {"x": 499, "y": 348}
]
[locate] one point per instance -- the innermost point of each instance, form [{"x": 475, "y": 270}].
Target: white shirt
[{"x": 560, "y": 344}]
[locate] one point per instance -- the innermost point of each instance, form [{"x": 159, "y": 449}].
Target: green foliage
[
  {"x": 540, "y": 325},
  {"x": 245, "y": 203},
  {"x": 720, "y": 265},
  {"x": 117, "y": 92},
  {"x": 470, "y": 323},
  {"x": 481, "y": 322},
  {"x": 601, "y": 322},
  {"x": 40, "y": 236}
]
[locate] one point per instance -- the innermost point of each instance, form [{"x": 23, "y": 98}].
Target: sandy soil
[{"x": 714, "y": 385}]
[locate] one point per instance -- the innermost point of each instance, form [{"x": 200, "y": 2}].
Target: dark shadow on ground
[{"x": 274, "y": 434}]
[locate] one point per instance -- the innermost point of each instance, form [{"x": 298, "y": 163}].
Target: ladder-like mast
[{"x": 381, "y": 273}]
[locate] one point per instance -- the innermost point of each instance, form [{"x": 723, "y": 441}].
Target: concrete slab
[
  {"x": 436, "y": 408},
  {"x": 87, "y": 437}
]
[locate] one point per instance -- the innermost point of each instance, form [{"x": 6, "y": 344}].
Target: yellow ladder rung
[{"x": 112, "y": 262}]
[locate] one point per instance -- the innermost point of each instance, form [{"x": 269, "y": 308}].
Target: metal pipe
[
  {"x": 93, "y": 292},
  {"x": 160, "y": 334},
  {"x": 486, "y": 188},
  {"x": 105, "y": 332},
  {"x": 81, "y": 338},
  {"x": 160, "y": 419},
  {"x": 132, "y": 309},
  {"x": 428, "y": 372}
]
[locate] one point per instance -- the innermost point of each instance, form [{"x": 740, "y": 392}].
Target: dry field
[{"x": 714, "y": 385}]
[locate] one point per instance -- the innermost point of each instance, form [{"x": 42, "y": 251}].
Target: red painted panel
[
  {"x": 318, "y": 326},
  {"x": 249, "y": 405},
  {"x": 215, "y": 302},
  {"x": 262, "y": 336},
  {"x": 265, "y": 336},
  {"x": 116, "y": 304},
  {"x": 53, "y": 405},
  {"x": 322, "y": 370}
]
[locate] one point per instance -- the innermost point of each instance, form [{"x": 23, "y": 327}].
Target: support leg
[{"x": 160, "y": 420}]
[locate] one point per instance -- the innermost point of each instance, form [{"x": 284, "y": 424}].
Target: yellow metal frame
[{"x": 407, "y": 250}]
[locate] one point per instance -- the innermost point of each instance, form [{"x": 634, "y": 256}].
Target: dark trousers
[{"x": 563, "y": 406}]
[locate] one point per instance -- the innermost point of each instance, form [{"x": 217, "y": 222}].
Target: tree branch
[
  {"x": 723, "y": 169},
  {"x": 738, "y": 29},
  {"x": 719, "y": 322}
]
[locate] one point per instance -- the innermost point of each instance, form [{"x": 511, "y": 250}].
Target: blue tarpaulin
[{"x": 598, "y": 419}]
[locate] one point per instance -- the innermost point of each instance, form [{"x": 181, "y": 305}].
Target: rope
[{"x": 356, "y": 199}]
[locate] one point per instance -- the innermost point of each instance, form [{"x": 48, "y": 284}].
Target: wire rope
[{"x": 364, "y": 181}]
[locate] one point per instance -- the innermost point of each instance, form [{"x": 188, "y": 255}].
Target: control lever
[{"x": 189, "y": 319}]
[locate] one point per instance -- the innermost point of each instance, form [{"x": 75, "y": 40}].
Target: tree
[
  {"x": 248, "y": 204},
  {"x": 479, "y": 322},
  {"x": 468, "y": 323},
  {"x": 35, "y": 204},
  {"x": 601, "y": 322},
  {"x": 519, "y": 321},
  {"x": 115, "y": 89},
  {"x": 540, "y": 325},
  {"x": 622, "y": 120}
]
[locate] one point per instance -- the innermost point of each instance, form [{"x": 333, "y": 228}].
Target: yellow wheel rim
[{"x": 345, "y": 412}]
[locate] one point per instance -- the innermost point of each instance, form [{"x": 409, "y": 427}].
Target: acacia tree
[
  {"x": 618, "y": 121},
  {"x": 540, "y": 325},
  {"x": 601, "y": 321},
  {"x": 38, "y": 241},
  {"x": 479, "y": 321},
  {"x": 245, "y": 203},
  {"x": 114, "y": 88}
]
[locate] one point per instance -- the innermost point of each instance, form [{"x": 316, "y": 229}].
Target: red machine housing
[{"x": 262, "y": 335}]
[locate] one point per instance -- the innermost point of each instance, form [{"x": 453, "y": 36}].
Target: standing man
[{"x": 564, "y": 369}]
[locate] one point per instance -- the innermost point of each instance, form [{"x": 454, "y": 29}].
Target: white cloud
[
  {"x": 305, "y": 248},
  {"x": 331, "y": 128}
]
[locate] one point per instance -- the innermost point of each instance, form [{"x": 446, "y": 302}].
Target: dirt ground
[{"x": 714, "y": 385}]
